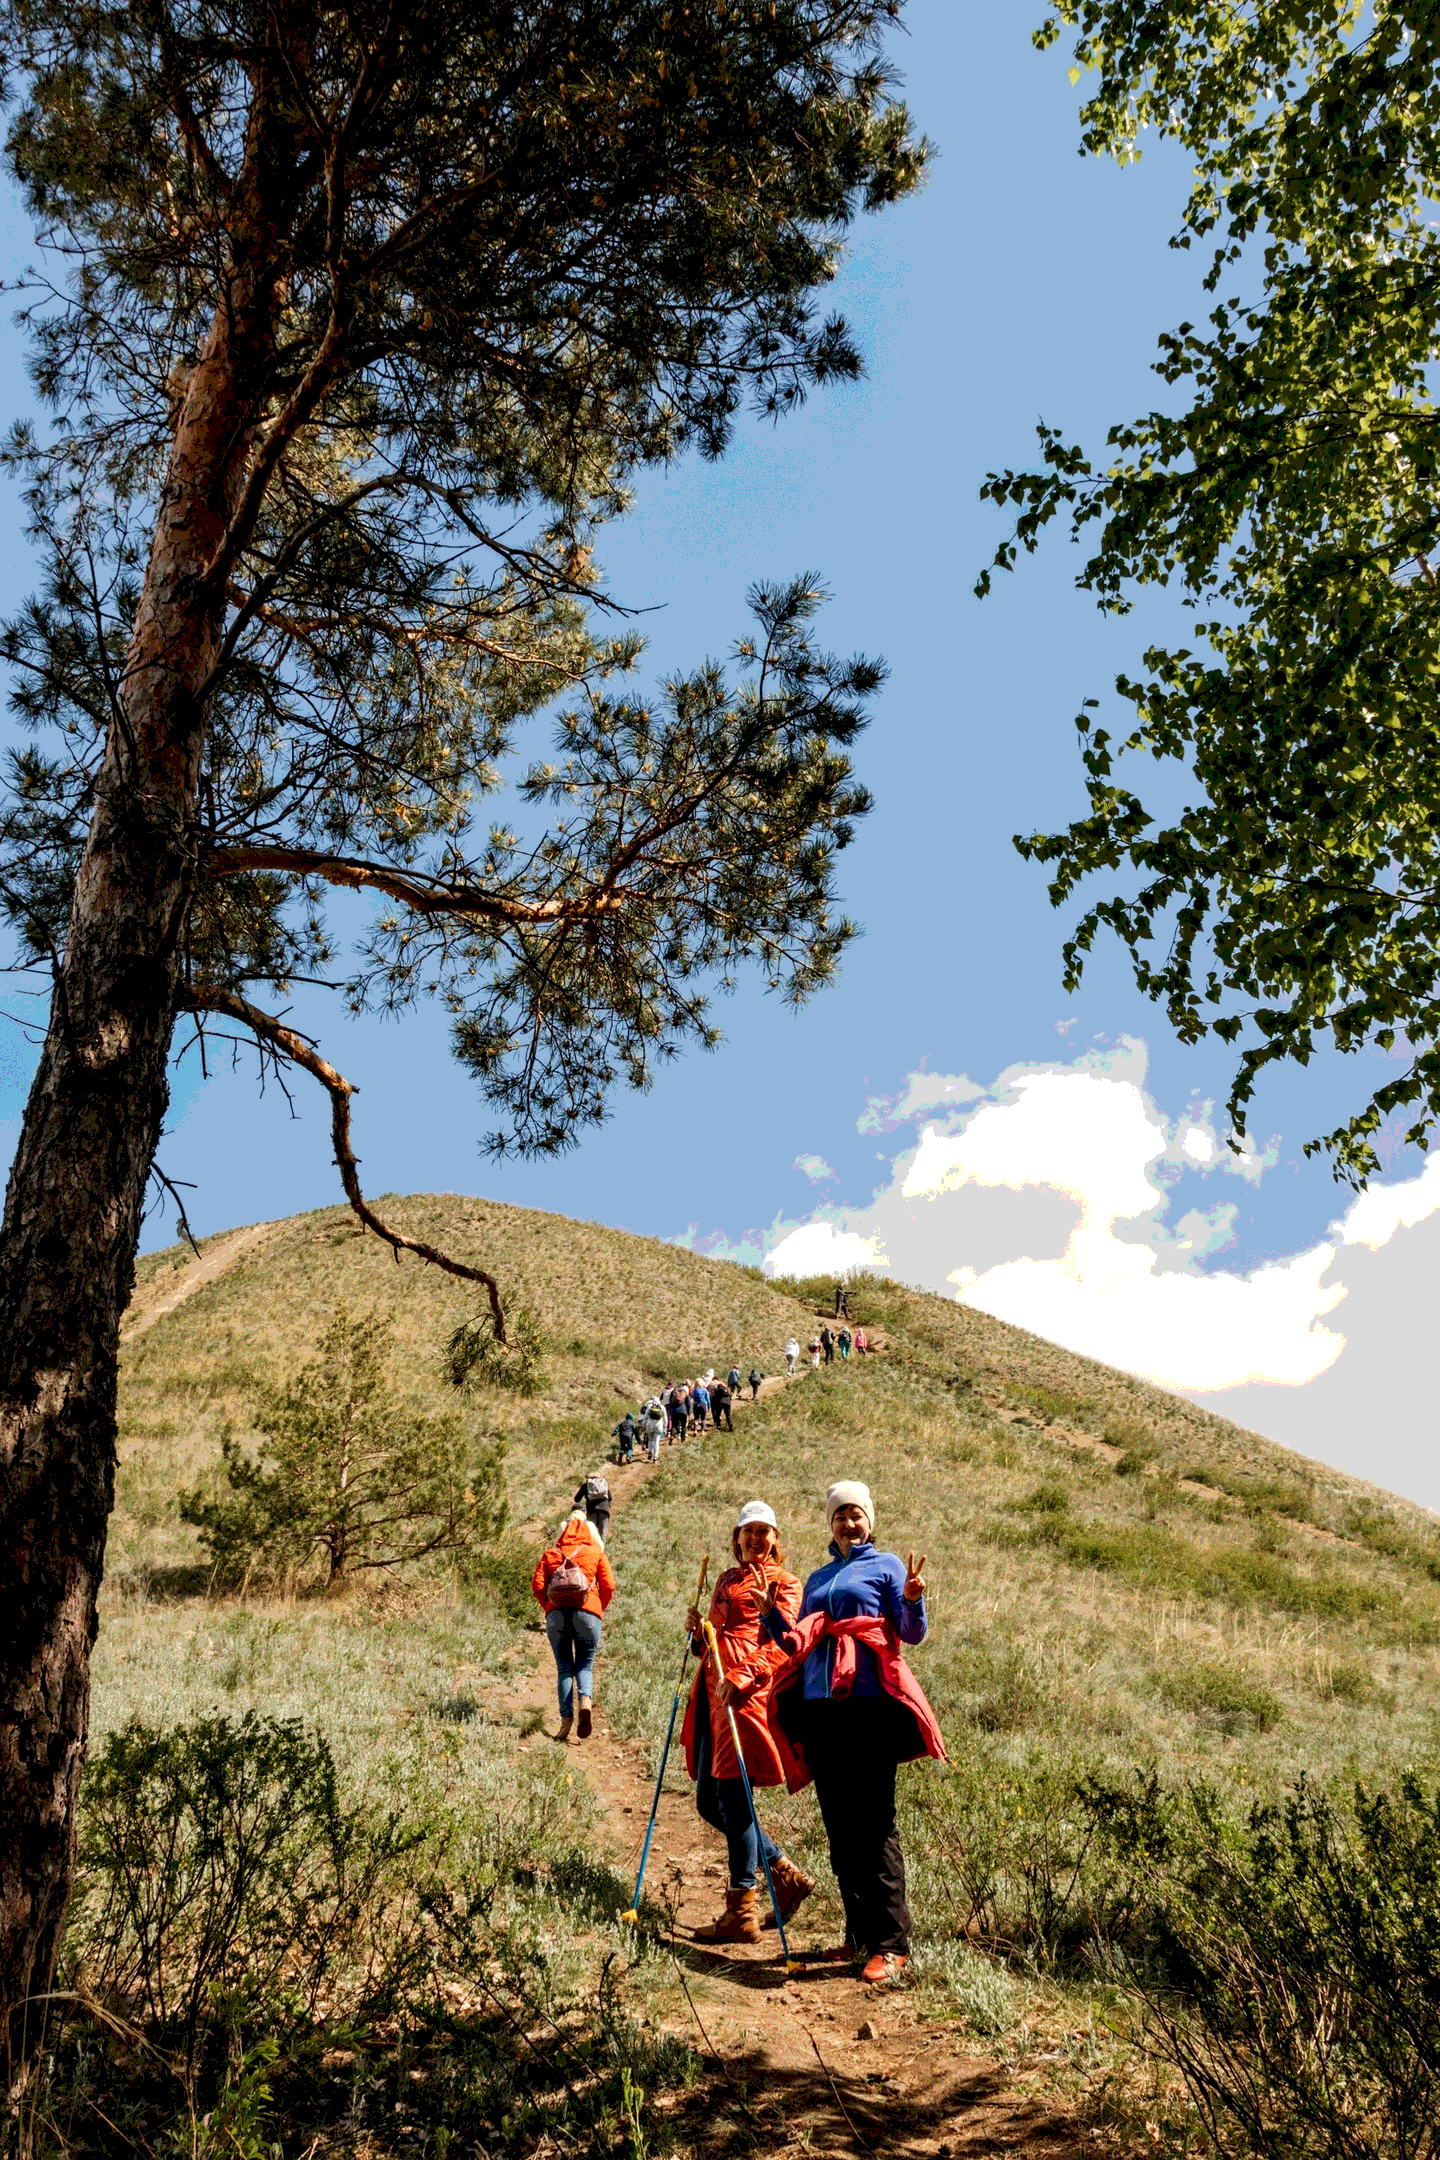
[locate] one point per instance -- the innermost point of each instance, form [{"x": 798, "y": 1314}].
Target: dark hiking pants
[{"x": 853, "y": 1748}]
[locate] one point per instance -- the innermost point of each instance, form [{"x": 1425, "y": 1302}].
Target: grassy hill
[{"x": 1118, "y": 1579}]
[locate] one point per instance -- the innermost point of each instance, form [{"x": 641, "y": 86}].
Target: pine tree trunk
[{"x": 92, "y": 1123}]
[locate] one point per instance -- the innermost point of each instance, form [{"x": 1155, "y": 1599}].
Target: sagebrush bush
[
  {"x": 1207, "y": 1687},
  {"x": 1291, "y": 1966},
  {"x": 258, "y": 1962},
  {"x": 218, "y": 1860}
]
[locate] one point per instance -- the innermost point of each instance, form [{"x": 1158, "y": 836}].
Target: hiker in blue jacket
[{"x": 854, "y": 1743}]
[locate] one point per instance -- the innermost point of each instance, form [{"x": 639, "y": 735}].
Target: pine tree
[
  {"x": 358, "y": 322},
  {"x": 348, "y": 1474}
]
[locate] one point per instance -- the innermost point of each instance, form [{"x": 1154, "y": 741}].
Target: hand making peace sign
[{"x": 914, "y": 1580}]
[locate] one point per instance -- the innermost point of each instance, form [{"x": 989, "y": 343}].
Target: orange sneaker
[{"x": 885, "y": 1966}]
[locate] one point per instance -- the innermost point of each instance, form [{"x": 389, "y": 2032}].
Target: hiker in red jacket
[
  {"x": 748, "y": 1657},
  {"x": 573, "y": 1584},
  {"x": 846, "y": 1710}
]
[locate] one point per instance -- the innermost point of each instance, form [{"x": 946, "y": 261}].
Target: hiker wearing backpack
[
  {"x": 842, "y": 1344},
  {"x": 792, "y": 1356},
  {"x": 624, "y": 1432},
  {"x": 679, "y": 1412},
  {"x": 756, "y": 1376},
  {"x": 653, "y": 1421},
  {"x": 720, "y": 1406},
  {"x": 814, "y": 1353},
  {"x": 747, "y": 1657},
  {"x": 827, "y": 1343},
  {"x": 699, "y": 1406},
  {"x": 845, "y": 1709},
  {"x": 592, "y": 1498},
  {"x": 732, "y": 1381},
  {"x": 572, "y": 1585}
]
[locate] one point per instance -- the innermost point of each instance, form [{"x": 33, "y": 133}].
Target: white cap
[
  {"x": 849, "y": 1492},
  {"x": 756, "y": 1511}
]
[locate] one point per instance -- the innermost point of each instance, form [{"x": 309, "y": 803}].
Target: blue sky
[{"x": 1023, "y": 281}]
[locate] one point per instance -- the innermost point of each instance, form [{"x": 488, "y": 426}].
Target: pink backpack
[{"x": 567, "y": 1585}]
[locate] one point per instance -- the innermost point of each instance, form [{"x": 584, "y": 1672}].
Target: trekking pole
[
  {"x": 634, "y": 1912},
  {"x": 792, "y": 1964}
]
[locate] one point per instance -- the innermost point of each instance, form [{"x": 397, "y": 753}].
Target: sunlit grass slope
[
  {"x": 1118, "y": 1581},
  {"x": 1112, "y": 1569}
]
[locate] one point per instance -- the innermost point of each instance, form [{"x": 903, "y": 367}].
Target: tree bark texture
[{"x": 92, "y": 1124}]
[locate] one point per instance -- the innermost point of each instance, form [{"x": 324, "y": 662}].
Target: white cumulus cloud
[{"x": 1042, "y": 1200}]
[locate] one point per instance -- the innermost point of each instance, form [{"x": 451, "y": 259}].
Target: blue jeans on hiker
[
  {"x": 574, "y": 1638},
  {"x": 722, "y": 1803}
]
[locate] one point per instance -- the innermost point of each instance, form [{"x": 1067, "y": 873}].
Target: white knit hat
[
  {"x": 849, "y": 1492},
  {"x": 756, "y": 1511}
]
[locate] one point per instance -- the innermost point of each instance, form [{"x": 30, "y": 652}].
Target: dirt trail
[
  {"x": 792, "y": 2043},
  {"x": 158, "y": 1298}
]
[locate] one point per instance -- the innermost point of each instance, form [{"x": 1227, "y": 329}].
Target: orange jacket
[
  {"x": 749, "y": 1657},
  {"x": 580, "y": 1541}
]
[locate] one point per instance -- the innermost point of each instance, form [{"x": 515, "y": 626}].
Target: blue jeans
[
  {"x": 721, "y": 1802},
  {"x": 574, "y": 1638}
]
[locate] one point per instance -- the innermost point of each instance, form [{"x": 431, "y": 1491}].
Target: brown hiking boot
[
  {"x": 791, "y": 1888},
  {"x": 738, "y": 1923}
]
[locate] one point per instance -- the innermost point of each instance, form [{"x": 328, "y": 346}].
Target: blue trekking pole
[
  {"x": 634, "y": 1912},
  {"x": 792, "y": 1964}
]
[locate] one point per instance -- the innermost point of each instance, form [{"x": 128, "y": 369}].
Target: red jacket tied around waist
[
  {"x": 749, "y": 1657},
  {"x": 896, "y": 1678}
]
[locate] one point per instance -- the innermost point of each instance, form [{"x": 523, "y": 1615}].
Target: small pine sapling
[{"x": 349, "y": 1474}]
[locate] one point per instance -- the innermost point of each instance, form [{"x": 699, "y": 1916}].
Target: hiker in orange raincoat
[
  {"x": 572, "y": 1584},
  {"x": 748, "y": 1657}
]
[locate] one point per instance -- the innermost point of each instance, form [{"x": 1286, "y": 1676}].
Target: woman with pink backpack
[{"x": 573, "y": 1584}]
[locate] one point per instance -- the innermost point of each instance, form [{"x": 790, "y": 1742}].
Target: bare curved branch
[{"x": 285, "y": 1043}]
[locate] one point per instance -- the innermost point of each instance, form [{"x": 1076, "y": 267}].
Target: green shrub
[
  {"x": 219, "y": 1865},
  {"x": 1134, "y": 1462},
  {"x": 258, "y": 1964},
  {"x": 1129, "y": 1435},
  {"x": 1380, "y": 1532},
  {"x": 1049, "y": 1497},
  {"x": 1292, "y": 1974},
  {"x": 1348, "y": 1680},
  {"x": 1051, "y": 1405},
  {"x": 1212, "y": 1690},
  {"x": 1011, "y": 1849}
]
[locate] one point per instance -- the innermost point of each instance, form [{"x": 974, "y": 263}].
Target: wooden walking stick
[
  {"x": 792, "y": 1964},
  {"x": 634, "y": 1912}
]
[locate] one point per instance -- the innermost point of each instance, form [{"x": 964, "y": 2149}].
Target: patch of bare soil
[{"x": 806, "y": 2062}]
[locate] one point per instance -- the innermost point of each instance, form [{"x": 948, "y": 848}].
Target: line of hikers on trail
[
  {"x": 825, "y": 1343},
  {"x": 794, "y": 1685},
  {"x": 684, "y": 1409}
]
